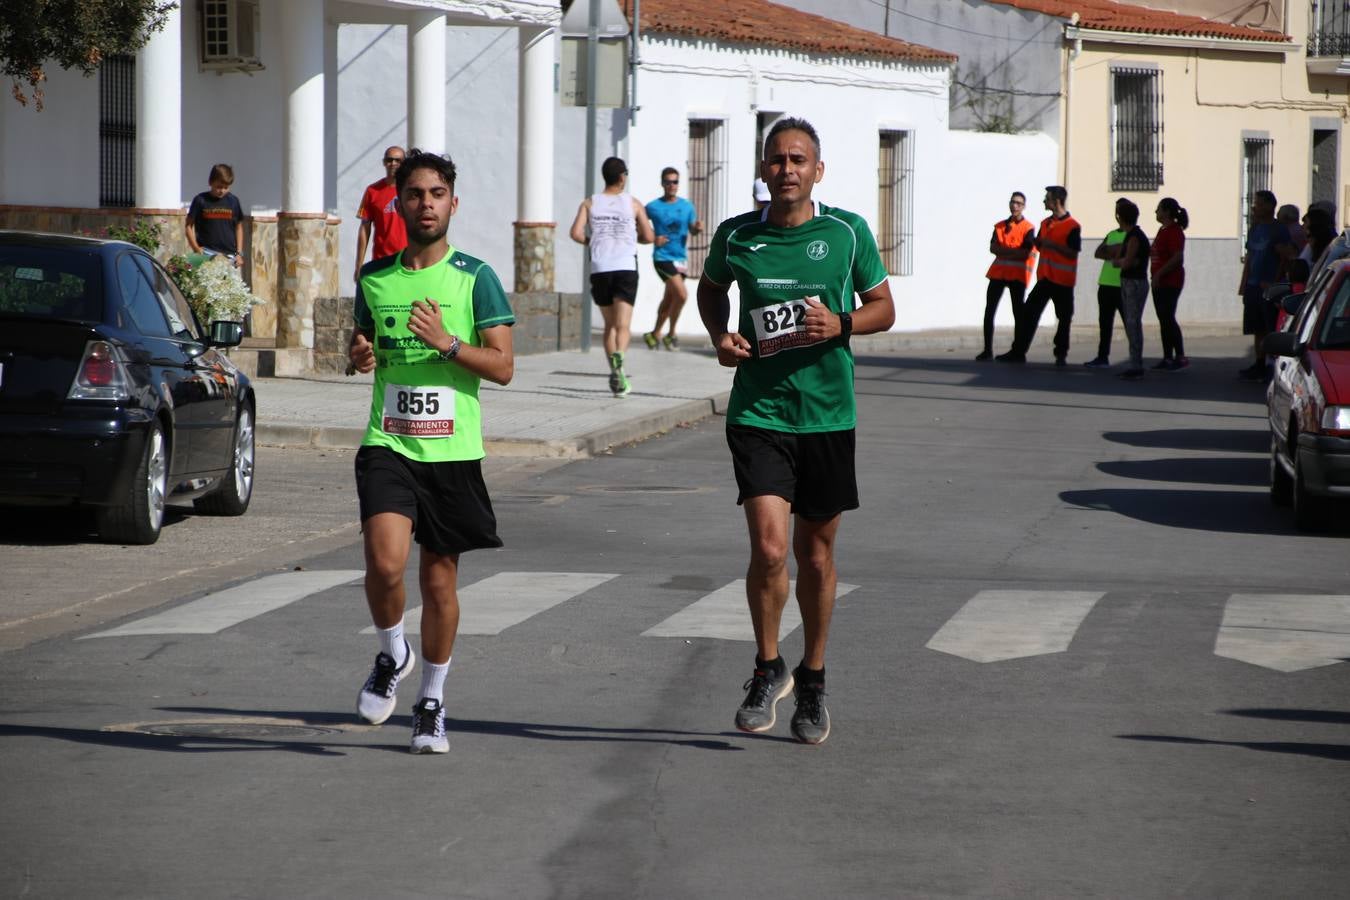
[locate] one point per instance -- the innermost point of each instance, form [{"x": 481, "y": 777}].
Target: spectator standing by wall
[
  {"x": 1108, "y": 295},
  {"x": 1133, "y": 261},
  {"x": 379, "y": 214},
  {"x": 1167, "y": 263},
  {"x": 1014, "y": 247}
]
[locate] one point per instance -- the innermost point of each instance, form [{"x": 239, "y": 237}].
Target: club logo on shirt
[{"x": 817, "y": 250}]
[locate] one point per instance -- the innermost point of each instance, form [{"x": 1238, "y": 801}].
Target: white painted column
[
  {"x": 426, "y": 81},
  {"x": 159, "y": 117},
  {"x": 302, "y": 78},
  {"x": 534, "y": 198}
]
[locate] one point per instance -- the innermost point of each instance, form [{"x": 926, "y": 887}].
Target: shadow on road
[
  {"x": 1322, "y": 716},
  {"x": 1220, "y": 470},
  {"x": 537, "y": 731},
  {"x": 1222, "y": 440},
  {"x": 1337, "y": 752},
  {"x": 1235, "y": 512}
]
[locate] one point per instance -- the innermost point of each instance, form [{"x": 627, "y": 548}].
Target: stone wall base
[{"x": 534, "y": 256}]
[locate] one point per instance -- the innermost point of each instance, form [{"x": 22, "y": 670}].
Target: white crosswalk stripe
[
  {"x": 216, "y": 612},
  {"x": 1285, "y": 632},
  {"x": 999, "y": 625},
  {"x": 499, "y": 601},
  {"x": 723, "y": 614}
]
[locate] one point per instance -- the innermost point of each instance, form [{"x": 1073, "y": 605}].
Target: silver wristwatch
[{"x": 454, "y": 348}]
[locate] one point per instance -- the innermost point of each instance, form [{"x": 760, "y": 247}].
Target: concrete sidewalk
[{"x": 558, "y": 404}]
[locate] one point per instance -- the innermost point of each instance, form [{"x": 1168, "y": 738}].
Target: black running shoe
[
  {"x": 984, "y": 356},
  {"x": 765, "y": 688},
  {"x": 1011, "y": 357},
  {"x": 811, "y": 721}
]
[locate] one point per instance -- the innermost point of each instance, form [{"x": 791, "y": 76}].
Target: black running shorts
[
  {"x": 814, "y": 472},
  {"x": 669, "y": 268},
  {"x": 606, "y": 287},
  {"x": 447, "y": 502}
]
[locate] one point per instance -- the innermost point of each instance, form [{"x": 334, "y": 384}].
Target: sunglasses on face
[{"x": 392, "y": 159}]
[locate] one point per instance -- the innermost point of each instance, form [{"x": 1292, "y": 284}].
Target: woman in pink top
[{"x": 1167, "y": 267}]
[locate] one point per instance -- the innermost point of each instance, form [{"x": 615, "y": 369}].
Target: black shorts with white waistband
[
  {"x": 447, "y": 502},
  {"x": 670, "y": 268},
  {"x": 814, "y": 472}
]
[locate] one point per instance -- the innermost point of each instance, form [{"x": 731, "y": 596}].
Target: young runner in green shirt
[
  {"x": 431, "y": 322},
  {"x": 791, "y": 416}
]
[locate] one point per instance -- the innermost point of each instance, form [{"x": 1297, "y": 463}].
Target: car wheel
[
  {"x": 1310, "y": 512},
  {"x": 138, "y": 519},
  {"x": 234, "y": 493},
  {"x": 1281, "y": 483}
]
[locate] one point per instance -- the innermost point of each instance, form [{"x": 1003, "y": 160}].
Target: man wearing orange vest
[
  {"x": 1013, "y": 246},
  {"x": 1059, "y": 241}
]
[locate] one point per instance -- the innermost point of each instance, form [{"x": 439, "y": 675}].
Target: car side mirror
[
  {"x": 226, "y": 334},
  {"x": 1293, "y": 302},
  {"x": 1281, "y": 343}
]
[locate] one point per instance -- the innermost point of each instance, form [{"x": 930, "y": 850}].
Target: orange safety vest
[
  {"x": 1056, "y": 267},
  {"x": 1011, "y": 235}
]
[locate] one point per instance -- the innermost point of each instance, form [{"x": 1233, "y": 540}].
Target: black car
[{"x": 112, "y": 396}]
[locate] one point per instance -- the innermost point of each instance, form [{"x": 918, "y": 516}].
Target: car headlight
[{"x": 1336, "y": 418}]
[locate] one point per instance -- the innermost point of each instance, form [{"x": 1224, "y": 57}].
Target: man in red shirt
[{"x": 379, "y": 212}]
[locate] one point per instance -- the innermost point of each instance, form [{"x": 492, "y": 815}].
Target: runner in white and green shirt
[
  {"x": 431, "y": 323},
  {"x": 791, "y": 416}
]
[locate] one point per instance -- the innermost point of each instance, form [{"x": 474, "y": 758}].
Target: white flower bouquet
[{"x": 213, "y": 288}]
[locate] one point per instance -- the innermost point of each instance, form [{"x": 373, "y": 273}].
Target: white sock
[
  {"x": 392, "y": 643},
  {"x": 433, "y": 681}
]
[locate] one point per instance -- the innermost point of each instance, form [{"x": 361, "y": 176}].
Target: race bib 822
[{"x": 782, "y": 326}]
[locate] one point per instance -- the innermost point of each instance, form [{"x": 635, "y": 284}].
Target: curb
[{"x": 320, "y": 437}]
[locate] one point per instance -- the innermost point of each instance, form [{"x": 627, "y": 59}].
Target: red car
[{"x": 1309, "y": 403}]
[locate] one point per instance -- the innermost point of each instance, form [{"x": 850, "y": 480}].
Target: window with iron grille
[
  {"x": 1136, "y": 130},
  {"x": 1257, "y": 158},
  {"x": 706, "y": 168},
  {"x": 1329, "y": 28},
  {"x": 895, "y": 202},
  {"x": 117, "y": 131}
]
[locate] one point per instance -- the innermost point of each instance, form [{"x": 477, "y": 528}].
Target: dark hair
[
  {"x": 1268, "y": 197},
  {"x": 1299, "y": 270},
  {"x": 1175, "y": 211},
  {"x": 1128, "y": 211},
  {"x": 1321, "y": 229},
  {"x": 669, "y": 170},
  {"x": 612, "y": 170},
  {"x": 1057, "y": 192},
  {"x": 791, "y": 123},
  {"x": 221, "y": 172},
  {"x": 1019, "y": 194},
  {"x": 417, "y": 159}
]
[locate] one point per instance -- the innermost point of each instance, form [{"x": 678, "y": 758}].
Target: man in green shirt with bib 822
[
  {"x": 431, "y": 322},
  {"x": 791, "y": 417}
]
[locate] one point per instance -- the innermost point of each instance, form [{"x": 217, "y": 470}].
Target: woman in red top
[{"x": 1167, "y": 266}]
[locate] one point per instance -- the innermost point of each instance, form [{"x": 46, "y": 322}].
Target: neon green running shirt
[
  {"x": 422, "y": 406},
  {"x": 789, "y": 383}
]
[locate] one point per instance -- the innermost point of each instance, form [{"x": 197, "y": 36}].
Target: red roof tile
[
  {"x": 763, "y": 23},
  {"x": 1107, "y": 15}
]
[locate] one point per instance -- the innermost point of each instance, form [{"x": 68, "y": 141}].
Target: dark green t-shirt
[
  {"x": 791, "y": 383},
  {"x": 424, "y": 407}
]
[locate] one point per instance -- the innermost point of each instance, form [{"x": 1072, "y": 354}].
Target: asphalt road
[{"x": 1084, "y": 657}]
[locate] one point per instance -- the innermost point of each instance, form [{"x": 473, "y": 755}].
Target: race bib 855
[{"x": 419, "y": 410}]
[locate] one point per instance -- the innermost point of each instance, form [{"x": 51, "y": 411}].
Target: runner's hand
[
  {"x": 732, "y": 348},
  {"x": 821, "y": 323},
  {"x": 362, "y": 354},
  {"x": 425, "y": 322}
]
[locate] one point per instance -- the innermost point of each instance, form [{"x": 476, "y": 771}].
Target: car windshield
[
  {"x": 48, "y": 283},
  {"x": 1335, "y": 332}
]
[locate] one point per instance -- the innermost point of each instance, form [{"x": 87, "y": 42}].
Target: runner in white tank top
[
  {"x": 613, "y": 233},
  {"x": 612, "y": 223}
]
